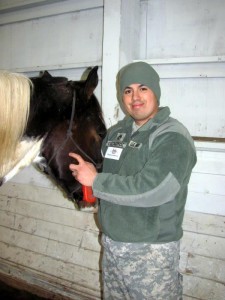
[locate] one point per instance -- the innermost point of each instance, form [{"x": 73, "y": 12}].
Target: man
[{"x": 148, "y": 160}]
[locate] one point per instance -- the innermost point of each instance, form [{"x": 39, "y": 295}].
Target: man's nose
[{"x": 136, "y": 94}]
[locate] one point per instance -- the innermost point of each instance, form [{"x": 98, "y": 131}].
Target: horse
[{"x": 65, "y": 116}]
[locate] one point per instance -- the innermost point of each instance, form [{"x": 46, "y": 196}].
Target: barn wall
[
  {"x": 63, "y": 37},
  {"x": 47, "y": 243},
  {"x": 43, "y": 239},
  {"x": 184, "y": 41},
  {"x": 187, "y": 49}
]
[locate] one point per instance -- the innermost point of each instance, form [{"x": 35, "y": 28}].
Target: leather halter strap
[{"x": 69, "y": 135}]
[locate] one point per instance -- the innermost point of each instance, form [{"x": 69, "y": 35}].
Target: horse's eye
[{"x": 102, "y": 133}]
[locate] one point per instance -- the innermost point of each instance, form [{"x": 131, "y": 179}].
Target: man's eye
[
  {"x": 143, "y": 88},
  {"x": 127, "y": 92}
]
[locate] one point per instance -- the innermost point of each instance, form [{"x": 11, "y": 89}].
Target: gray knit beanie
[{"x": 139, "y": 72}]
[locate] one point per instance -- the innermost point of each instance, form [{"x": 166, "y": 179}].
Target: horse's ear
[
  {"x": 45, "y": 75},
  {"x": 91, "y": 82}
]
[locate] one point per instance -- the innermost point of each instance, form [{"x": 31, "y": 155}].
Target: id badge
[{"x": 113, "y": 153}]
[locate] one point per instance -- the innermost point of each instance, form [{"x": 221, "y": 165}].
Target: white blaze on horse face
[{"x": 26, "y": 152}]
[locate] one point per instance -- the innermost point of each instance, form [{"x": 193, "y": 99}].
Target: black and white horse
[{"x": 65, "y": 116}]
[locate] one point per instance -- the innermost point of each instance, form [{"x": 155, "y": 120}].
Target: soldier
[{"x": 148, "y": 160}]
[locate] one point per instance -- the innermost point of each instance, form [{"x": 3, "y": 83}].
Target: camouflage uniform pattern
[{"x": 141, "y": 271}]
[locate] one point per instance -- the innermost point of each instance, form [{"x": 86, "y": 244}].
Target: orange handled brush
[{"x": 88, "y": 194}]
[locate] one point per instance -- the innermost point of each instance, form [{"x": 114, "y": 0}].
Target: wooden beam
[
  {"x": 110, "y": 59},
  {"x": 56, "y": 8},
  {"x": 120, "y": 47},
  {"x": 189, "y": 67}
]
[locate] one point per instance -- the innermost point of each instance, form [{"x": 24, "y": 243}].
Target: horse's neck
[{"x": 25, "y": 153}]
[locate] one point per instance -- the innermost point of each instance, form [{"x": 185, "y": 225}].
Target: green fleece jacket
[{"x": 143, "y": 187}]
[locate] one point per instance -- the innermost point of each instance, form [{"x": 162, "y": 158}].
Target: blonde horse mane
[{"x": 14, "y": 111}]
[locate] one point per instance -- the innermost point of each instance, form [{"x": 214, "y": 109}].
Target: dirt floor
[{"x": 9, "y": 293}]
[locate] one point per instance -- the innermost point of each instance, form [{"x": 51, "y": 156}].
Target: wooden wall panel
[
  {"x": 65, "y": 251},
  {"x": 177, "y": 29},
  {"x": 203, "y": 256},
  {"x": 46, "y": 236},
  {"x": 55, "y": 42},
  {"x": 207, "y": 183},
  {"x": 187, "y": 46}
]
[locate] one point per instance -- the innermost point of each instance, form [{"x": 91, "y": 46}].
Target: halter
[{"x": 69, "y": 135}]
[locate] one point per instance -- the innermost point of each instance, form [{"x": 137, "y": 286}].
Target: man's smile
[{"x": 137, "y": 105}]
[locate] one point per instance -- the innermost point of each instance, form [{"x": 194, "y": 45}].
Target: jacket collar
[{"x": 161, "y": 117}]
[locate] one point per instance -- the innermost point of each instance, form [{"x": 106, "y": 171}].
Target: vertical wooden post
[
  {"x": 120, "y": 46},
  {"x": 110, "y": 60}
]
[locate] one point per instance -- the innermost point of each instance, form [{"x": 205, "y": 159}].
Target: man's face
[{"x": 140, "y": 103}]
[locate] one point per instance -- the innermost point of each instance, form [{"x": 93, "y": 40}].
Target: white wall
[
  {"x": 63, "y": 37},
  {"x": 185, "y": 42}
]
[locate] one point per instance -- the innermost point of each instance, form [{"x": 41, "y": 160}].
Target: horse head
[{"x": 81, "y": 129}]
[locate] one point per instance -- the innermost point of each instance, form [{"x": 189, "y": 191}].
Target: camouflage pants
[{"x": 141, "y": 271}]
